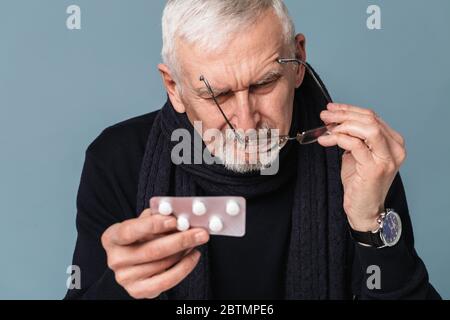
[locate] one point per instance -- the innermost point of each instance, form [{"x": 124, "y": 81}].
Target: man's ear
[
  {"x": 300, "y": 53},
  {"x": 172, "y": 88}
]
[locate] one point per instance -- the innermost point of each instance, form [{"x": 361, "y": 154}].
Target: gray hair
[{"x": 208, "y": 23}]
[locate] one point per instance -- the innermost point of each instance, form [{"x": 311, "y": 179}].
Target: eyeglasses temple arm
[
  {"x": 298, "y": 61},
  {"x": 211, "y": 92}
]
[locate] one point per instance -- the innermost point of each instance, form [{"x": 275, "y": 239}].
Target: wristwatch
[{"x": 387, "y": 235}]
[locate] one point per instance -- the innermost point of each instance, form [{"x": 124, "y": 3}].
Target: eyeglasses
[{"x": 304, "y": 138}]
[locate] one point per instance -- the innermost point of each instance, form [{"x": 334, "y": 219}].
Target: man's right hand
[{"x": 149, "y": 256}]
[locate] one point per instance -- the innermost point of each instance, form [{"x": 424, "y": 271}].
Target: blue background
[{"x": 60, "y": 88}]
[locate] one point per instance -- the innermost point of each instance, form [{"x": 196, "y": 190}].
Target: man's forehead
[{"x": 245, "y": 60}]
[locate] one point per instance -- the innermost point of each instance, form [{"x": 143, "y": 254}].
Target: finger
[
  {"x": 340, "y": 116},
  {"x": 159, "y": 248},
  {"x": 152, "y": 287},
  {"x": 151, "y": 212},
  {"x": 372, "y": 114},
  {"x": 372, "y": 136},
  {"x": 356, "y": 146},
  {"x": 129, "y": 275},
  {"x": 395, "y": 135},
  {"x": 348, "y": 107},
  {"x": 399, "y": 147},
  {"x": 365, "y": 128},
  {"x": 131, "y": 231},
  {"x": 148, "y": 212},
  {"x": 394, "y": 140}
]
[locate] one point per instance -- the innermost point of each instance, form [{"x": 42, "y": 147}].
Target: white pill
[
  {"x": 215, "y": 224},
  {"x": 232, "y": 208},
  {"x": 165, "y": 208},
  {"x": 198, "y": 208},
  {"x": 183, "y": 223}
]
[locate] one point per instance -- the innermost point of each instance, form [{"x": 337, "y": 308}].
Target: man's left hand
[{"x": 374, "y": 153}]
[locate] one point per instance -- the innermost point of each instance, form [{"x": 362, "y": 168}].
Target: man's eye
[
  {"x": 221, "y": 95},
  {"x": 220, "y": 98}
]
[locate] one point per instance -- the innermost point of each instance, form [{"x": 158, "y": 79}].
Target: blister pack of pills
[{"x": 223, "y": 216}]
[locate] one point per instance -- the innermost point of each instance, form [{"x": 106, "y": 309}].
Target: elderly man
[{"x": 331, "y": 222}]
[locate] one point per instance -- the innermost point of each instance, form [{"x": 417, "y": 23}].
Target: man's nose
[{"x": 245, "y": 115}]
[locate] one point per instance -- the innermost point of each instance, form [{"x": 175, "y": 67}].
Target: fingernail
[{"x": 201, "y": 236}]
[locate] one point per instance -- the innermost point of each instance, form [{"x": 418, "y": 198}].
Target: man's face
[{"x": 253, "y": 89}]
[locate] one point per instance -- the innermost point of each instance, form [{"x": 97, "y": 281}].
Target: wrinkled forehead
[{"x": 245, "y": 55}]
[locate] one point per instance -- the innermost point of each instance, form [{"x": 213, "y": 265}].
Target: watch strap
[{"x": 372, "y": 239}]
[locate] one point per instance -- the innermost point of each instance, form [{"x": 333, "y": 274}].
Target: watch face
[{"x": 392, "y": 229}]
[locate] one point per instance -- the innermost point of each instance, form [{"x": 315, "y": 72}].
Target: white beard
[{"x": 260, "y": 152}]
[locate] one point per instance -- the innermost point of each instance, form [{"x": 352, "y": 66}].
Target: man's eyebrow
[
  {"x": 268, "y": 77},
  {"x": 204, "y": 90}
]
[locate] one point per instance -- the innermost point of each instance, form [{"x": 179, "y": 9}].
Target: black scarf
[{"x": 317, "y": 251}]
